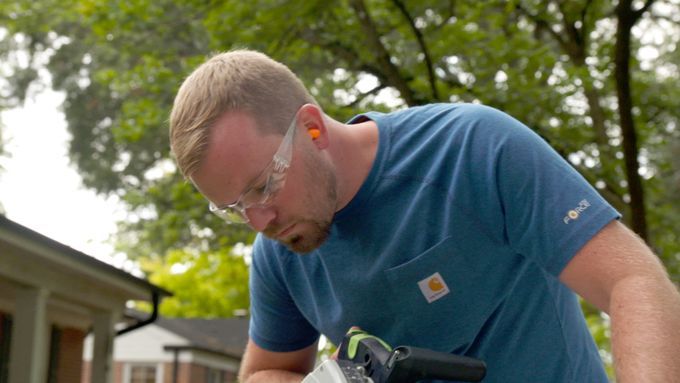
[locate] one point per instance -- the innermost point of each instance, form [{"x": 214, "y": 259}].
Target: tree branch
[
  {"x": 347, "y": 54},
  {"x": 576, "y": 42},
  {"x": 626, "y": 19},
  {"x": 575, "y": 46},
  {"x": 543, "y": 25},
  {"x": 637, "y": 14},
  {"x": 423, "y": 48},
  {"x": 363, "y": 96},
  {"x": 391, "y": 72},
  {"x": 584, "y": 14}
]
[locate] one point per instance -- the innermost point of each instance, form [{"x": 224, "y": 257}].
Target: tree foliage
[
  {"x": 219, "y": 279},
  {"x": 551, "y": 64}
]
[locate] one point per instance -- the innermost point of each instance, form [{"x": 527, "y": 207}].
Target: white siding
[{"x": 142, "y": 345}]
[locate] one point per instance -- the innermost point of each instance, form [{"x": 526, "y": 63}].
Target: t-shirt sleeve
[
  {"x": 549, "y": 210},
  {"x": 276, "y": 324}
]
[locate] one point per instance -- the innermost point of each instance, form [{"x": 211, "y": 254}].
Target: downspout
[
  {"x": 155, "y": 300},
  {"x": 175, "y": 365}
]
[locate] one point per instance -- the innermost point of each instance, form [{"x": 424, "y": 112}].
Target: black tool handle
[{"x": 410, "y": 364}]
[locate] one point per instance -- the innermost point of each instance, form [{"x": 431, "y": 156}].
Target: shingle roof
[{"x": 226, "y": 336}]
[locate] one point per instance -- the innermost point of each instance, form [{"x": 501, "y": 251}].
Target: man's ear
[{"x": 311, "y": 118}]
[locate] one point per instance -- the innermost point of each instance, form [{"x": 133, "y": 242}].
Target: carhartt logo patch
[{"x": 433, "y": 287}]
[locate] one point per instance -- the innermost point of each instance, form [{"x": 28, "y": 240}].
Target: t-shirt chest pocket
[{"x": 441, "y": 295}]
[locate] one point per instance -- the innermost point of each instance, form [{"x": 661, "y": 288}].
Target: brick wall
[
  {"x": 117, "y": 372},
  {"x": 70, "y": 369},
  {"x": 87, "y": 371},
  {"x": 187, "y": 373},
  {"x": 183, "y": 373},
  {"x": 198, "y": 374},
  {"x": 168, "y": 371},
  {"x": 231, "y": 377}
]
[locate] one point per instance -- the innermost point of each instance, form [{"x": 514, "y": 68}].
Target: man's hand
[
  {"x": 619, "y": 274},
  {"x": 260, "y": 365}
]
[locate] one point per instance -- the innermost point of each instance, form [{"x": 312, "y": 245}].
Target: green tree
[
  {"x": 204, "y": 284},
  {"x": 558, "y": 66}
]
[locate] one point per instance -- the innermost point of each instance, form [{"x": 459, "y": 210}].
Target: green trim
[{"x": 358, "y": 336}]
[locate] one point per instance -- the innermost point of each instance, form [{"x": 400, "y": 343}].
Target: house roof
[
  {"x": 21, "y": 236},
  {"x": 227, "y": 336}
]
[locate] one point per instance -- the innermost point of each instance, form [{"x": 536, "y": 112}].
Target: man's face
[
  {"x": 306, "y": 209},
  {"x": 299, "y": 215}
]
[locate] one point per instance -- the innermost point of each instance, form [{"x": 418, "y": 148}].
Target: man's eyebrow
[{"x": 257, "y": 180}]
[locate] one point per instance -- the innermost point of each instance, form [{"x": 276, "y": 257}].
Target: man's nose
[{"x": 260, "y": 217}]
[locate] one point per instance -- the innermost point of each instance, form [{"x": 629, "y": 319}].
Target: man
[{"x": 449, "y": 226}]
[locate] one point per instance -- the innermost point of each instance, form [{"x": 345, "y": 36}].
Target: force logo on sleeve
[
  {"x": 433, "y": 287},
  {"x": 575, "y": 213}
]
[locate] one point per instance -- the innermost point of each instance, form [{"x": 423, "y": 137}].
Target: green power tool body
[{"x": 364, "y": 358}]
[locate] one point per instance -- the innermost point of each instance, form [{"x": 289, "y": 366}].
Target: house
[
  {"x": 51, "y": 296},
  {"x": 177, "y": 350}
]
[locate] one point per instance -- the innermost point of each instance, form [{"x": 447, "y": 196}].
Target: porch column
[
  {"x": 29, "y": 347},
  {"x": 102, "y": 350}
]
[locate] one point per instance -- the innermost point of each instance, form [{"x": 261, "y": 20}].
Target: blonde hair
[{"x": 241, "y": 80}]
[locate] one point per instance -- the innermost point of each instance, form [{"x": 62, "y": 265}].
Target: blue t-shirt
[{"x": 454, "y": 242}]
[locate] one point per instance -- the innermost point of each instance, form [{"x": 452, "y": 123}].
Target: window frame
[{"x": 128, "y": 366}]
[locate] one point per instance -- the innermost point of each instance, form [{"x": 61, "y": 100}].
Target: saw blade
[{"x": 355, "y": 374}]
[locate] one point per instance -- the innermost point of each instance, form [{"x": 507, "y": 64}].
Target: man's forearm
[
  {"x": 645, "y": 315},
  {"x": 273, "y": 376}
]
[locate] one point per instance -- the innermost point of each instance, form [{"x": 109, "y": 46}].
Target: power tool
[{"x": 364, "y": 358}]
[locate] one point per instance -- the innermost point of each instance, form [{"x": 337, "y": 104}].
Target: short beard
[
  {"x": 318, "y": 221},
  {"x": 310, "y": 241}
]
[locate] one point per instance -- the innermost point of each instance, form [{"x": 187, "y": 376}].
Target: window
[
  {"x": 214, "y": 375},
  {"x": 55, "y": 346},
  {"x": 230, "y": 377},
  {"x": 5, "y": 338},
  {"x": 142, "y": 374}
]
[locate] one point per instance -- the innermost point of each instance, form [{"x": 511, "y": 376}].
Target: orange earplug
[{"x": 314, "y": 133}]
